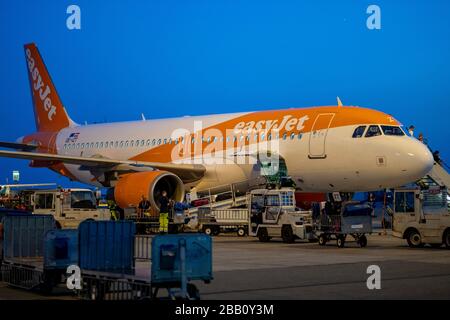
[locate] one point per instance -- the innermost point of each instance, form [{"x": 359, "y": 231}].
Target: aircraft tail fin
[{"x": 49, "y": 112}]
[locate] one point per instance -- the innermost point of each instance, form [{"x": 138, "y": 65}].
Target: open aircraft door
[{"x": 318, "y": 136}]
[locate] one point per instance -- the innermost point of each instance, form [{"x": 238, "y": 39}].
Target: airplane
[{"x": 323, "y": 149}]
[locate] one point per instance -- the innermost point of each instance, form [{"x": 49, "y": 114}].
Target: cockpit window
[
  {"x": 359, "y": 132},
  {"x": 373, "y": 131},
  {"x": 392, "y": 131}
]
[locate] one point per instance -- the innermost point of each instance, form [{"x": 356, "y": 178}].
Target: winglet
[{"x": 339, "y": 102}]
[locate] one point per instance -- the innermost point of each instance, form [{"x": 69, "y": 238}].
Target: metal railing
[
  {"x": 21, "y": 277},
  {"x": 143, "y": 247},
  {"x": 94, "y": 288},
  {"x": 230, "y": 215},
  {"x": 329, "y": 223}
]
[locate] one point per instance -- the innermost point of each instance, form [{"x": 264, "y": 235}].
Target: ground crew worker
[
  {"x": 164, "y": 203},
  {"x": 113, "y": 210},
  {"x": 144, "y": 205}
]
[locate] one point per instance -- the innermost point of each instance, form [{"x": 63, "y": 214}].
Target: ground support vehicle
[
  {"x": 421, "y": 216},
  {"x": 68, "y": 206},
  {"x": 273, "y": 214},
  {"x": 349, "y": 219},
  {"x": 213, "y": 221}
]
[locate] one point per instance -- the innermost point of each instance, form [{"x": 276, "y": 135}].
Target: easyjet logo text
[
  {"x": 288, "y": 123},
  {"x": 40, "y": 87}
]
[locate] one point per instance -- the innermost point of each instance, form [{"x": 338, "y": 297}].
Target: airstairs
[{"x": 439, "y": 173}]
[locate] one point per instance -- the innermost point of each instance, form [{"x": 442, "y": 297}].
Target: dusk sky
[{"x": 175, "y": 58}]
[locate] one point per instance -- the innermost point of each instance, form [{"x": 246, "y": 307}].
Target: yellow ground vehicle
[
  {"x": 68, "y": 206},
  {"x": 421, "y": 216}
]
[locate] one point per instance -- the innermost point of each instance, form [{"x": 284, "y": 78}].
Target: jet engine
[{"x": 132, "y": 186}]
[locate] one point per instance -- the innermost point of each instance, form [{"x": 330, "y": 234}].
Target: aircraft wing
[
  {"x": 187, "y": 172},
  {"x": 18, "y": 146}
]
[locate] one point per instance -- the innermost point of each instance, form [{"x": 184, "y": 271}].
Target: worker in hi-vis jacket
[{"x": 164, "y": 204}]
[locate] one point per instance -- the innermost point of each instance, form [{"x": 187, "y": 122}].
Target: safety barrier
[
  {"x": 95, "y": 288},
  {"x": 143, "y": 247},
  {"x": 21, "y": 276}
]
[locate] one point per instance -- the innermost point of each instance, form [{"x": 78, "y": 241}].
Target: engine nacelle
[{"x": 132, "y": 186}]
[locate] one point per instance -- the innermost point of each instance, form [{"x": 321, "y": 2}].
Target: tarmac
[{"x": 245, "y": 268}]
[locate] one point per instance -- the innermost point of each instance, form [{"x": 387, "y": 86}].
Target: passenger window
[
  {"x": 373, "y": 131},
  {"x": 284, "y": 136},
  {"x": 159, "y": 142},
  {"x": 148, "y": 142},
  {"x": 292, "y": 136},
  {"x": 300, "y": 136},
  {"x": 359, "y": 132},
  {"x": 142, "y": 143}
]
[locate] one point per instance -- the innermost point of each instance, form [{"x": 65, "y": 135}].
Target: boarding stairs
[{"x": 440, "y": 174}]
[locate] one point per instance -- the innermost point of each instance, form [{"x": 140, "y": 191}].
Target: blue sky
[{"x": 172, "y": 58}]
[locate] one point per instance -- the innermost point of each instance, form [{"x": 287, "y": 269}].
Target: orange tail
[{"x": 49, "y": 111}]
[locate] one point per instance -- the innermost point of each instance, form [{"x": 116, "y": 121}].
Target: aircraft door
[{"x": 318, "y": 135}]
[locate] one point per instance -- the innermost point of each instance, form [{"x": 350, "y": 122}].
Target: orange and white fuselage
[
  {"x": 325, "y": 149},
  {"x": 316, "y": 144}
]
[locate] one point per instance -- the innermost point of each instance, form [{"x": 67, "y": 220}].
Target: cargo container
[
  {"x": 107, "y": 246},
  {"x": 35, "y": 254},
  {"x": 179, "y": 259}
]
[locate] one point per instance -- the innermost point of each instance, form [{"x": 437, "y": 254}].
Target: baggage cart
[{"x": 353, "y": 219}]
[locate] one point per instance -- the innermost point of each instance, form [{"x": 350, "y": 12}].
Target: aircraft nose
[{"x": 420, "y": 160}]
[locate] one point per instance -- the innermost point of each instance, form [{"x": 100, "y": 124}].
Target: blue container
[
  {"x": 166, "y": 257},
  {"x": 24, "y": 235},
  {"x": 60, "y": 249},
  {"x": 107, "y": 246}
]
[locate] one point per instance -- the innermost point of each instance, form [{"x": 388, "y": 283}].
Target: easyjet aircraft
[{"x": 324, "y": 149}]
